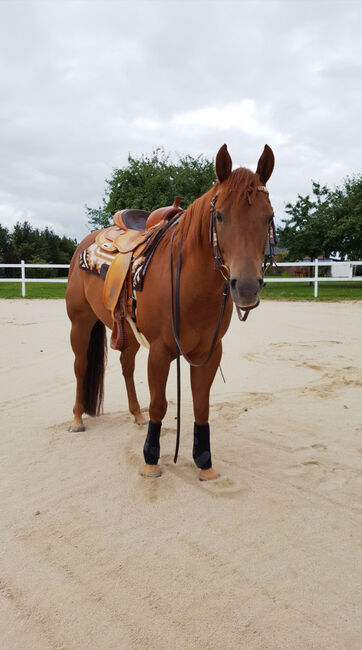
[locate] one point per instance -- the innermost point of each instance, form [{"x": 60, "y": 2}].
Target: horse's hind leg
[
  {"x": 80, "y": 335},
  {"x": 128, "y": 363},
  {"x": 201, "y": 381}
]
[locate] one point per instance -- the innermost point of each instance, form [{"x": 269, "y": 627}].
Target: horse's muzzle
[{"x": 245, "y": 293}]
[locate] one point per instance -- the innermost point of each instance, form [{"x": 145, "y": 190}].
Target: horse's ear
[
  {"x": 223, "y": 164},
  {"x": 265, "y": 164}
]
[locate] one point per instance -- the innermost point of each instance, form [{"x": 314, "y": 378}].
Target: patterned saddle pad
[{"x": 95, "y": 259}]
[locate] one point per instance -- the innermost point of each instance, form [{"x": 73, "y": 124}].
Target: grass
[
  {"x": 303, "y": 291},
  {"x": 273, "y": 290},
  {"x": 33, "y": 290}
]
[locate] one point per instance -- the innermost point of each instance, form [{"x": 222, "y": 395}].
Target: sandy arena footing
[{"x": 268, "y": 556}]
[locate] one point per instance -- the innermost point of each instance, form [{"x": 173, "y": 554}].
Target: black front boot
[
  {"x": 201, "y": 452},
  {"x": 151, "y": 449}
]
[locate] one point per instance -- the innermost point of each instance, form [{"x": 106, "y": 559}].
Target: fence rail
[
  {"x": 316, "y": 278},
  {"x": 23, "y": 279}
]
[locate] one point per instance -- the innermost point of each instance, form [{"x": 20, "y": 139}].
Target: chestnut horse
[{"x": 241, "y": 217}]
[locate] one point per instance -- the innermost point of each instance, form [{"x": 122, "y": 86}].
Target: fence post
[
  {"x": 316, "y": 278},
  {"x": 23, "y": 278}
]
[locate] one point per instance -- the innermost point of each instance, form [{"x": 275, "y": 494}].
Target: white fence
[
  {"x": 345, "y": 274},
  {"x": 316, "y": 278},
  {"x": 23, "y": 279}
]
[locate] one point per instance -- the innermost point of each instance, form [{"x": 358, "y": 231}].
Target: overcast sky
[{"x": 85, "y": 83}]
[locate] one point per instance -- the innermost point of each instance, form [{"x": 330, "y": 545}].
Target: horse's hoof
[
  {"x": 151, "y": 471},
  {"x": 208, "y": 474},
  {"x": 140, "y": 420},
  {"x": 76, "y": 428}
]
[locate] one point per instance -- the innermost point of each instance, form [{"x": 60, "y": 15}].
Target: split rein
[
  {"x": 175, "y": 320},
  {"x": 175, "y": 300}
]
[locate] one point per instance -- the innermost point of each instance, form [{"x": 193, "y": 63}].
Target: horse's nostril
[
  {"x": 233, "y": 282},
  {"x": 261, "y": 282}
]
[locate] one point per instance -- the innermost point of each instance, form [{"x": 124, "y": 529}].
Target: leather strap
[
  {"x": 175, "y": 320},
  {"x": 175, "y": 308}
]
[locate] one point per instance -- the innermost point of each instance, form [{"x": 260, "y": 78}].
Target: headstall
[{"x": 219, "y": 262}]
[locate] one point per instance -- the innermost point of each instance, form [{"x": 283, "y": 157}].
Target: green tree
[
  {"x": 35, "y": 247},
  {"x": 329, "y": 223},
  {"x": 26, "y": 242},
  {"x": 5, "y": 245},
  {"x": 6, "y": 252},
  {"x": 346, "y": 227},
  {"x": 149, "y": 182}
]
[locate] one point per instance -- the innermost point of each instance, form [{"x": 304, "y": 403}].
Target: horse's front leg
[
  {"x": 201, "y": 381},
  {"x": 159, "y": 360}
]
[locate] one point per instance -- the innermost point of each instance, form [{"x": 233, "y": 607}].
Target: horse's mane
[{"x": 194, "y": 224}]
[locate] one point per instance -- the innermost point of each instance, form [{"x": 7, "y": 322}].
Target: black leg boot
[
  {"x": 151, "y": 449},
  {"x": 201, "y": 452}
]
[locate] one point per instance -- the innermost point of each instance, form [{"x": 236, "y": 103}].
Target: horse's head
[{"x": 243, "y": 216}]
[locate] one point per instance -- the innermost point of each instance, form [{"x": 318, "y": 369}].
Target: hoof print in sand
[{"x": 223, "y": 487}]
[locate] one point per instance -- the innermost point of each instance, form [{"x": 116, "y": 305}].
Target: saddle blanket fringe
[{"x": 95, "y": 260}]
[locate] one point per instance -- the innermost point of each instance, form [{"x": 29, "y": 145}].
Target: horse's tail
[{"x": 94, "y": 377}]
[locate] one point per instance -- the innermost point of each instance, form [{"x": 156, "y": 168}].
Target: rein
[
  {"x": 175, "y": 320},
  {"x": 175, "y": 308},
  {"x": 175, "y": 300}
]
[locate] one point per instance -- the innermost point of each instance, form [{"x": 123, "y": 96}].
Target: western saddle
[{"x": 126, "y": 240}]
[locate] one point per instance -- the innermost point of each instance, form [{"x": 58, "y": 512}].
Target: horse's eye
[{"x": 219, "y": 216}]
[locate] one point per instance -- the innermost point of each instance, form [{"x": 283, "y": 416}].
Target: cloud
[{"x": 85, "y": 83}]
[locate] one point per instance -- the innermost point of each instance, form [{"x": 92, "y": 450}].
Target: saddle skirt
[{"x": 111, "y": 256}]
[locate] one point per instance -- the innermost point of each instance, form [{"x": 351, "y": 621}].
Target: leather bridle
[
  {"x": 218, "y": 260},
  {"x": 225, "y": 272}
]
